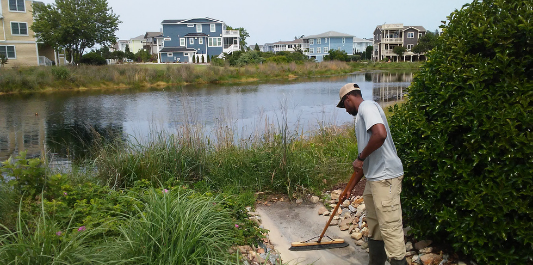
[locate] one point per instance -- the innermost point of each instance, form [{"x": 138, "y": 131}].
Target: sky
[{"x": 282, "y": 20}]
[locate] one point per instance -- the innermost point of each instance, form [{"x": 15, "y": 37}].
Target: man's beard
[{"x": 353, "y": 113}]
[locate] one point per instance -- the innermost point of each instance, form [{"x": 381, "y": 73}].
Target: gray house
[
  {"x": 388, "y": 36},
  {"x": 184, "y": 39},
  {"x": 319, "y": 45}
]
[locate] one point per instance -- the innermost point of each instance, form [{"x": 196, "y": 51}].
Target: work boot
[
  {"x": 398, "y": 262},
  {"x": 376, "y": 252}
]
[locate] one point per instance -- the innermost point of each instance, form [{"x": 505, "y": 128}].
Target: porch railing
[{"x": 45, "y": 61}]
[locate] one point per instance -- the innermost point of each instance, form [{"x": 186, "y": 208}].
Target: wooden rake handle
[{"x": 337, "y": 206}]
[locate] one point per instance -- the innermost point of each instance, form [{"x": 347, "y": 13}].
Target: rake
[{"x": 331, "y": 243}]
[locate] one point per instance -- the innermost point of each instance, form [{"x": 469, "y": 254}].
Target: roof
[
  {"x": 196, "y": 35},
  {"x": 140, "y": 37},
  {"x": 177, "y": 49},
  {"x": 328, "y": 34},
  {"x": 297, "y": 41},
  {"x": 191, "y": 20},
  {"x": 355, "y": 39},
  {"x": 419, "y": 28},
  {"x": 153, "y": 34}
]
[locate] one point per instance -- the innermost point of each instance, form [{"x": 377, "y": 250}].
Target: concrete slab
[{"x": 289, "y": 222}]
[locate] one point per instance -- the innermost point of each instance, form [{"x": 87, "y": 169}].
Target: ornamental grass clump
[
  {"x": 178, "y": 227},
  {"x": 465, "y": 137}
]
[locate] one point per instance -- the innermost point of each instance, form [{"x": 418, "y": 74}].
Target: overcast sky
[{"x": 282, "y": 20}]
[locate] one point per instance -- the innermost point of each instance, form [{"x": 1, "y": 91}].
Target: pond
[{"x": 60, "y": 124}]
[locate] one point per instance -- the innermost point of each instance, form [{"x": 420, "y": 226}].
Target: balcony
[
  {"x": 392, "y": 40},
  {"x": 230, "y": 33}
]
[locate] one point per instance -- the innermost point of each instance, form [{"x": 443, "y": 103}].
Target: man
[{"x": 383, "y": 169}]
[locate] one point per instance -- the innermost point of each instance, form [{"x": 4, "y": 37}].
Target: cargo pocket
[{"x": 391, "y": 205}]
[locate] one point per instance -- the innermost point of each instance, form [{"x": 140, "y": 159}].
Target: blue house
[
  {"x": 196, "y": 37},
  {"x": 321, "y": 44}
]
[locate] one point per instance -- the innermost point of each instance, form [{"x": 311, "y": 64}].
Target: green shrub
[
  {"x": 26, "y": 176},
  {"x": 60, "y": 73},
  {"x": 93, "y": 58},
  {"x": 465, "y": 135}
]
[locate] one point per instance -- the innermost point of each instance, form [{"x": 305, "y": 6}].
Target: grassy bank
[
  {"x": 175, "y": 198},
  {"x": 149, "y": 75}
]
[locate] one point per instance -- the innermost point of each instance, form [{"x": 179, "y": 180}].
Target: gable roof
[
  {"x": 192, "y": 21},
  {"x": 328, "y": 34},
  {"x": 140, "y": 37},
  {"x": 297, "y": 41},
  {"x": 153, "y": 34},
  {"x": 419, "y": 28}
]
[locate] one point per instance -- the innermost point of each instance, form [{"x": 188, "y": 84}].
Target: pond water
[{"x": 58, "y": 123}]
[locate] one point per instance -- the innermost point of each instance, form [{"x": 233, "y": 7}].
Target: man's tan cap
[{"x": 345, "y": 90}]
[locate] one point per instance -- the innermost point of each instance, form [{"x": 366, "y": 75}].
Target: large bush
[{"x": 465, "y": 135}]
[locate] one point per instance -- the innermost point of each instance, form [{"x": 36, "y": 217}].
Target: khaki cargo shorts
[{"x": 384, "y": 214}]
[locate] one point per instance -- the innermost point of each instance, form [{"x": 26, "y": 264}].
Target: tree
[
  {"x": 465, "y": 137},
  {"x": 400, "y": 50},
  {"x": 337, "y": 55},
  {"x": 426, "y": 43},
  {"x": 3, "y": 60},
  {"x": 243, "y": 34},
  {"x": 256, "y": 48},
  {"x": 369, "y": 52},
  {"x": 75, "y": 25}
]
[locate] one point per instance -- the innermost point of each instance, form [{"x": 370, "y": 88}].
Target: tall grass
[
  {"x": 43, "y": 241},
  {"x": 118, "y": 76},
  {"x": 177, "y": 227}
]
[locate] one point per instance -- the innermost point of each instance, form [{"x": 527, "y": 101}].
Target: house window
[
  {"x": 191, "y": 41},
  {"x": 312, "y": 41},
  {"x": 19, "y": 28},
  {"x": 190, "y": 25},
  {"x": 8, "y": 51},
  {"x": 212, "y": 27},
  {"x": 201, "y": 41},
  {"x": 318, "y": 41},
  {"x": 198, "y": 27},
  {"x": 182, "y": 41},
  {"x": 186, "y": 54},
  {"x": 409, "y": 47},
  {"x": 343, "y": 40},
  {"x": 17, "y": 5},
  {"x": 410, "y": 35},
  {"x": 214, "y": 42},
  {"x": 169, "y": 54},
  {"x": 326, "y": 50},
  {"x": 419, "y": 35},
  {"x": 311, "y": 50},
  {"x": 318, "y": 50}
]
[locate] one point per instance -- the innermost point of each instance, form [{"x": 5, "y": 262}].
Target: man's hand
[{"x": 357, "y": 165}]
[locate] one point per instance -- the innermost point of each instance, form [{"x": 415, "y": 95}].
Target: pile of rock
[
  {"x": 351, "y": 217},
  {"x": 264, "y": 253}
]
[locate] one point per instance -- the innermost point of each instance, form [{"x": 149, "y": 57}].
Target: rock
[
  {"x": 359, "y": 242},
  {"x": 345, "y": 203},
  {"x": 322, "y": 210},
  {"x": 260, "y": 250},
  {"x": 253, "y": 213},
  {"x": 415, "y": 259},
  {"x": 357, "y": 201},
  {"x": 336, "y": 194},
  {"x": 256, "y": 219},
  {"x": 361, "y": 208},
  {"x": 430, "y": 259},
  {"x": 364, "y": 245},
  {"x": 461, "y": 263},
  {"x": 408, "y": 246},
  {"x": 356, "y": 229},
  {"x": 336, "y": 218},
  {"x": 333, "y": 205},
  {"x": 315, "y": 199},
  {"x": 334, "y": 222},
  {"x": 410, "y": 253},
  {"x": 406, "y": 231},
  {"x": 422, "y": 244},
  {"x": 364, "y": 233},
  {"x": 357, "y": 236},
  {"x": 426, "y": 250},
  {"x": 327, "y": 213},
  {"x": 339, "y": 211},
  {"x": 299, "y": 201},
  {"x": 245, "y": 249},
  {"x": 409, "y": 260},
  {"x": 345, "y": 224}
]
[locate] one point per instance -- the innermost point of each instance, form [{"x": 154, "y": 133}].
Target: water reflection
[{"x": 64, "y": 124}]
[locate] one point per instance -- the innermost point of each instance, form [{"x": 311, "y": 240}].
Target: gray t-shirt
[{"x": 383, "y": 163}]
